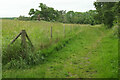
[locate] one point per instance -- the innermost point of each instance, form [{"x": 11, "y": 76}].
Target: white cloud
[{"x": 15, "y": 8}]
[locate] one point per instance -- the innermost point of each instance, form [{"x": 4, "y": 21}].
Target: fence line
[{"x": 24, "y": 36}]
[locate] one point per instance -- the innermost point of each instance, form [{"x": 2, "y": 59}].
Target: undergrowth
[{"x": 13, "y": 57}]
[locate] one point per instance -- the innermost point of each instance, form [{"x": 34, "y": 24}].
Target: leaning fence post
[
  {"x": 51, "y": 32},
  {"x": 23, "y": 42},
  {"x": 15, "y": 39}
]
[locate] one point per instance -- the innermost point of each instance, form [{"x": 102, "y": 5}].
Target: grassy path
[{"x": 83, "y": 57}]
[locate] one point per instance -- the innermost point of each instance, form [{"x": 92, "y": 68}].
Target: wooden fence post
[
  {"x": 64, "y": 30},
  {"x": 71, "y": 28},
  {"x": 23, "y": 42},
  {"x": 51, "y": 32}
]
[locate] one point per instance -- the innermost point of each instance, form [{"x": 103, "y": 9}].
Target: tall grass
[{"x": 40, "y": 35}]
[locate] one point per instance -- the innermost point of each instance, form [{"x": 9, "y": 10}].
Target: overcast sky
[{"x": 15, "y": 8}]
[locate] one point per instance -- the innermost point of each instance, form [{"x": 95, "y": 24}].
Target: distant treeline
[
  {"x": 11, "y": 18},
  {"x": 50, "y": 14},
  {"x": 106, "y": 13}
]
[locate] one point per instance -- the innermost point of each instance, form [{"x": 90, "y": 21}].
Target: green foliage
[
  {"x": 82, "y": 18},
  {"x": 49, "y": 14},
  {"x": 24, "y": 18},
  {"x": 70, "y": 16},
  {"x": 46, "y": 13},
  {"x": 117, "y": 8},
  {"x": 61, "y": 17},
  {"x": 31, "y": 12},
  {"x": 107, "y": 12}
]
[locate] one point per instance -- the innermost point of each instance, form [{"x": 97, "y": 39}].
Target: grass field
[{"x": 85, "y": 52}]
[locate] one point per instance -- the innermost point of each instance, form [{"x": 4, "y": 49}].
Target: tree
[
  {"x": 70, "y": 16},
  {"x": 50, "y": 14},
  {"x": 31, "y": 12},
  {"x": 23, "y": 18},
  {"x": 105, "y": 13},
  {"x": 116, "y": 11}
]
